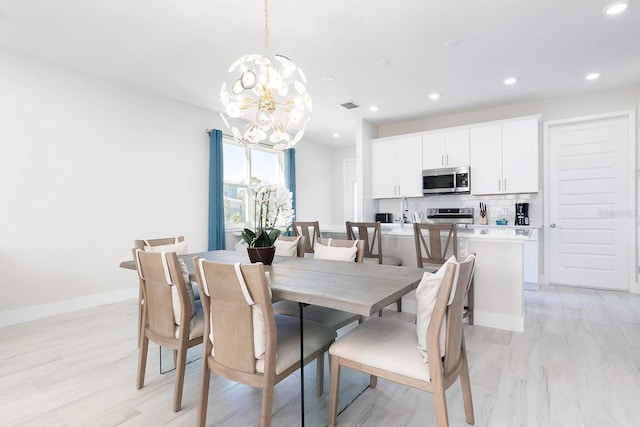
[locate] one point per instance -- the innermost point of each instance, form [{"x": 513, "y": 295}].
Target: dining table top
[{"x": 360, "y": 288}]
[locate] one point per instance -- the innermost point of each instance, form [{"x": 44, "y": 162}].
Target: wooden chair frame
[
  {"x": 158, "y": 319},
  {"x": 444, "y": 371},
  {"x": 301, "y": 228},
  {"x": 226, "y": 309}
]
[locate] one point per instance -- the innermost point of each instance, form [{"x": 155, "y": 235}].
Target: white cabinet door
[
  {"x": 433, "y": 150},
  {"x": 384, "y": 169},
  {"x": 457, "y": 148},
  {"x": 486, "y": 159},
  {"x": 520, "y": 156},
  {"x": 410, "y": 167}
]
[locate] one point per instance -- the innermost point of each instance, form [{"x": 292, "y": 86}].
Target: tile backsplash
[{"x": 495, "y": 205}]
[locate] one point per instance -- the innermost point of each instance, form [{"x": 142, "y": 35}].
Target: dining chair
[
  {"x": 370, "y": 234},
  {"x": 431, "y": 254},
  {"x": 169, "y": 244},
  {"x": 387, "y": 348},
  {"x": 172, "y": 318},
  {"x": 245, "y": 341},
  {"x": 310, "y": 230},
  {"x": 331, "y": 317}
]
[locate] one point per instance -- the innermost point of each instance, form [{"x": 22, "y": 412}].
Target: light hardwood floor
[{"x": 577, "y": 364}]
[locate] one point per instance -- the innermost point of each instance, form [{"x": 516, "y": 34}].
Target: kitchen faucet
[{"x": 404, "y": 207}]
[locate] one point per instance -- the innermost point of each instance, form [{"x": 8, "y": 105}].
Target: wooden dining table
[{"x": 360, "y": 288}]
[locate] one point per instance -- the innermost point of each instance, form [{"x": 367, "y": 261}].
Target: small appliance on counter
[
  {"x": 522, "y": 214},
  {"x": 416, "y": 216},
  {"x": 385, "y": 218}
]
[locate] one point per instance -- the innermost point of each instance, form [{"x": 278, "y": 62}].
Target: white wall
[{"x": 86, "y": 167}]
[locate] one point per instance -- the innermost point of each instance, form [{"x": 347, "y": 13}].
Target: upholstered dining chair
[
  {"x": 308, "y": 229},
  {"x": 168, "y": 244},
  {"x": 244, "y": 340},
  {"x": 333, "y": 318},
  {"x": 431, "y": 253},
  {"x": 172, "y": 318},
  {"x": 389, "y": 348},
  {"x": 370, "y": 233}
]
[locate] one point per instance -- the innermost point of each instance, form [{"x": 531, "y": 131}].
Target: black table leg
[{"x": 301, "y": 306}]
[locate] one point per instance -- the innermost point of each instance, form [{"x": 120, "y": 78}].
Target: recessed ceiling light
[
  {"x": 434, "y": 96},
  {"x": 336, "y": 135},
  {"x": 374, "y": 108},
  {"x": 383, "y": 62},
  {"x": 592, "y": 76},
  {"x": 616, "y": 7},
  {"x": 328, "y": 78},
  {"x": 510, "y": 81},
  {"x": 452, "y": 43}
]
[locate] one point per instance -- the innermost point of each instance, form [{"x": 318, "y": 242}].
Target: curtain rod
[{"x": 208, "y": 132}]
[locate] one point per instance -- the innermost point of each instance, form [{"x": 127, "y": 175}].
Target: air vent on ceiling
[{"x": 350, "y": 105}]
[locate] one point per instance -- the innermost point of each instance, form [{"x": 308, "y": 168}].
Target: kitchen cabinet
[
  {"x": 445, "y": 149},
  {"x": 504, "y": 157},
  {"x": 396, "y": 168}
]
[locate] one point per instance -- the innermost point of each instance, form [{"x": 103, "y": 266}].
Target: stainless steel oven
[{"x": 446, "y": 181}]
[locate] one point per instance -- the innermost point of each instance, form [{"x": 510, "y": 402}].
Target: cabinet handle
[
  {"x": 399, "y": 192},
  {"x": 505, "y": 184},
  {"x": 447, "y": 160},
  {"x": 499, "y": 184},
  {"x": 442, "y": 160}
]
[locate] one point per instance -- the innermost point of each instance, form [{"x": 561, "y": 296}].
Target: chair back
[
  {"x": 342, "y": 243},
  {"x": 369, "y": 233},
  {"x": 302, "y": 243},
  {"x": 141, "y": 244},
  {"x": 158, "y": 272},
  {"x": 449, "y": 306},
  {"x": 428, "y": 242},
  {"x": 227, "y": 303},
  {"x": 310, "y": 230}
]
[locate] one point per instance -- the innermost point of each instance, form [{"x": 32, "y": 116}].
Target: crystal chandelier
[{"x": 271, "y": 94}]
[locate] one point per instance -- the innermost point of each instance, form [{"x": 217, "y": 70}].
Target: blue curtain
[
  {"x": 216, "y": 192},
  {"x": 290, "y": 177},
  {"x": 290, "y": 172}
]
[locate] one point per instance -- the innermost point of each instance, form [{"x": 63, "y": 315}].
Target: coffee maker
[{"x": 522, "y": 213}]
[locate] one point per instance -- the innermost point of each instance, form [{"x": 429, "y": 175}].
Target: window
[{"x": 243, "y": 167}]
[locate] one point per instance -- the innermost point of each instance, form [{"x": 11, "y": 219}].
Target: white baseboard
[
  {"x": 27, "y": 314},
  {"x": 498, "y": 321}
]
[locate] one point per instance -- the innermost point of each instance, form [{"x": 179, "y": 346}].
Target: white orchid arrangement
[{"x": 270, "y": 203}]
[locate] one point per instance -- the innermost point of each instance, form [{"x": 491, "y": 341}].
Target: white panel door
[{"x": 588, "y": 217}]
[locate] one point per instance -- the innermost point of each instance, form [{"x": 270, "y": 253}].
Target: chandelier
[{"x": 269, "y": 92}]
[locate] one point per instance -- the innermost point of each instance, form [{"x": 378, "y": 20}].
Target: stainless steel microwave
[{"x": 446, "y": 181}]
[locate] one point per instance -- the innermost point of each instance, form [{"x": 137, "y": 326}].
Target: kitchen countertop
[{"x": 465, "y": 231}]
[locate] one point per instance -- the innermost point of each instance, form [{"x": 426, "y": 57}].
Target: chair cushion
[
  {"x": 335, "y": 253},
  {"x": 335, "y": 319},
  {"x": 175, "y": 299},
  {"x": 316, "y": 336},
  {"x": 179, "y": 248},
  {"x": 426, "y": 295},
  {"x": 384, "y": 343},
  {"x": 287, "y": 248},
  {"x": 391, "y": 260},
  {"x": 196, "y": 328}
]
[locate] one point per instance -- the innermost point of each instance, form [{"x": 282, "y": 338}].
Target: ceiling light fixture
[
  {"x": 271, "y": 93},
  {"x": 336, "y": 135},
  {"x": 510, "y": 81},
  {"x": 374, "y": 108},
  {"x": 616, "y": 7},
  {"x": 592, "y": 76},
  {"x": 434, "y": 96}
]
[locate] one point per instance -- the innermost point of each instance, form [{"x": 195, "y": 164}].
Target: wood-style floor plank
[{"x": 577, "y": 364}]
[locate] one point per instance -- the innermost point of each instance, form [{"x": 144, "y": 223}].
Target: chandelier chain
[{"x": 266, "y": 28}]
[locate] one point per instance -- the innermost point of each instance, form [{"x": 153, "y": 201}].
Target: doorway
[
  {"x": 349, "y": 190},
  {"x": 590, "y": 201}
]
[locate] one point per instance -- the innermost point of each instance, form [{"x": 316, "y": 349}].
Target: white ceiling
[{"x": 182, "y": 49}]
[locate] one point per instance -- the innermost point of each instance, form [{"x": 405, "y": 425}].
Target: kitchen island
[{"x": 507, "y": 258}]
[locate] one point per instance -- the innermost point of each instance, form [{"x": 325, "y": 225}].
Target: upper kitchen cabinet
[
  {"x": 504, "y": 157},
  {"x": 448, "y": 149},
  {"x": 396, "y": 168}
]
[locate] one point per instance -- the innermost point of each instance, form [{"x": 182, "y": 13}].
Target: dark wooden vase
[{"x": 263, "y": 255}]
